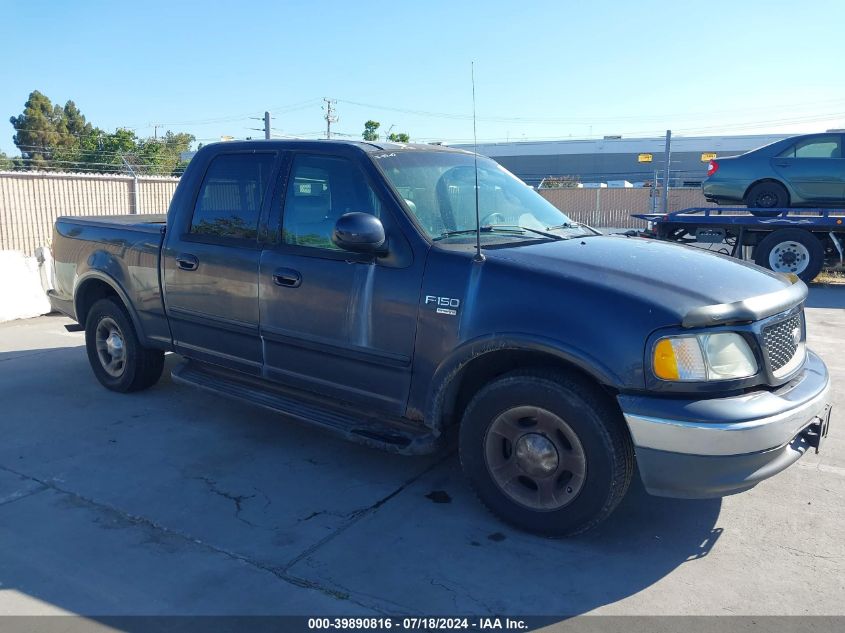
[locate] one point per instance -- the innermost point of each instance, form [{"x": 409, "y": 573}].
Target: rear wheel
[
  {"x": 791, "y": 251},
  {"x": 116, "y": 355},
  {"x": 766, "y": 195},
  {"x": 546, "y": 452}
]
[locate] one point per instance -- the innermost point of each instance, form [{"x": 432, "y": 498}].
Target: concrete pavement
[{"x": 173, "y": 501}]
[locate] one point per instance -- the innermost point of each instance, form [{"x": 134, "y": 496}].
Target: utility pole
[
  {"x": 265, "y": 129},
  {"x": 331, "y": 115},
  {"x": 667, "y": 153}
]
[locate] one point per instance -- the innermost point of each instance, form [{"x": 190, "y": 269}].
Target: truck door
[
  {"x": 210, "y": 263},
  {"x": 337, "y": 323},
  {"x": 815, "y": 167}
]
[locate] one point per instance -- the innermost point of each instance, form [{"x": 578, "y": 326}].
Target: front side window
[
  {"x": 439, "y": 189},
  {"x": 320, "y": 190},
  {"x": 231, "y": 194},
  {"x": 818, "y": 147}
]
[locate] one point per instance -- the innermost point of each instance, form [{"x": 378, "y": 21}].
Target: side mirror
[{"x": 359, "y": 233}]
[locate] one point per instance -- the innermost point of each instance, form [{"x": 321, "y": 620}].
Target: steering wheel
[{"x": 488, "y": 219}]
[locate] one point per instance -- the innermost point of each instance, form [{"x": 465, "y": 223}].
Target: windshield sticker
[{"x": 384, "y": 155}]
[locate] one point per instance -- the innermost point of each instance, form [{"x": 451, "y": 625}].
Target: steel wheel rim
[
  {"x": 789, "y": 257},
  {"x": 111, "y": 347},
  {"x": 535, "y": 458},
  {"x": 766, "y": 200}
]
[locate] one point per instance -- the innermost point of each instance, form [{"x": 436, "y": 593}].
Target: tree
[
  {"x": 5, "y": 162},
  {"x": 74, "y": 121},
  {"x": 398, "y": 137},
  {"x": 36, "y": 129},
  {"x": 164, "y": 156},
  {"x": 370, "y": 128},
  {"x": 51, "y": 136},
  {"x": 559, "y": 182}
]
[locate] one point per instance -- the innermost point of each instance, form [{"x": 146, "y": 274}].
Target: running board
[{"x": 390, "y": 435}]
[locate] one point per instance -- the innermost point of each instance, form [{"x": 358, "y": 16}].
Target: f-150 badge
[{"x": 444, "y": 305}]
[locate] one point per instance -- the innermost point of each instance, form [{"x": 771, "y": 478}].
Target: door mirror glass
[{"x": 360, "y": 233}]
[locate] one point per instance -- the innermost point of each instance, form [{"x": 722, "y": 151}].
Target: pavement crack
[
  {"x": 237, "y": 499},
  {"x": 28, "y": 493},
  {"x": 356, "y": 515},
  {"x": 454, "y": 593},
  {"x": 134, "y": 519},
  {"x": 804, "y": 553}
]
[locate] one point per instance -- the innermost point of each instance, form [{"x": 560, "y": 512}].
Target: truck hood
[{"x": 695, "y": 287}]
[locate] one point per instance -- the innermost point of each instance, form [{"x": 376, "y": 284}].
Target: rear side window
[
  {"x": 818, "y": 147},
  {"x": 231, "y": 195}
]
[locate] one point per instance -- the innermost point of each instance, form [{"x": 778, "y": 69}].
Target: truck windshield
[{"x": 439, "y": 189}]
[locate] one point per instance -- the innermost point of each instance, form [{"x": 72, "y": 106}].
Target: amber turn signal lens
[{"x": 665, "y": 363}]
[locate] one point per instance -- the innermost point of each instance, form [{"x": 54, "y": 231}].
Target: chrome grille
[{"x": 780, "y": 341}]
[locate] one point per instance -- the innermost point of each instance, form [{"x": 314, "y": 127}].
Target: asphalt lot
[{"x": 172, "y": 501}]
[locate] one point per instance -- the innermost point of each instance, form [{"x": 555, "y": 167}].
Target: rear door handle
[
  {"x": 287, "y": 277},
  {"x": 187, "y": 262},
  {"x": 782, "y": 164}
]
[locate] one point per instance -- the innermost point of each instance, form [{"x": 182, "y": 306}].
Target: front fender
[{"x": 451, "y": 367}]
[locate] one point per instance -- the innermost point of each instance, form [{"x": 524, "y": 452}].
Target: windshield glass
[{"x": 439, "y": 189}]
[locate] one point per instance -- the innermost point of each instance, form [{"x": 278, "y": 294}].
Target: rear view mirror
[{"x": 359, "y": 233}]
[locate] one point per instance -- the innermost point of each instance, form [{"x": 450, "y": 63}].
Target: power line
[{"x": 583, "y": 120}]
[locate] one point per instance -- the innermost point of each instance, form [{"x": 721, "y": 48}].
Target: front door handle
[
  {"x": 187, "y": 262},
  {"x": 287, "y": 277},
  {"x": 782, "y": 164}
]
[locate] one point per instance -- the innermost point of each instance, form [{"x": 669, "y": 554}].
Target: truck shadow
[
  {"x": 435, "y": 549},
  {"x": 115, "y": 492}
]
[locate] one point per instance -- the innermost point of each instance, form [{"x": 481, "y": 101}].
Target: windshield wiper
[
  {"x": 515, "y": 227},
  {"x": 573, "y": 225},
  {"x": 503, "y": 228}
]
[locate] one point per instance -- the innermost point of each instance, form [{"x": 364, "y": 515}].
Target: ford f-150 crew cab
[{"x": 340, "y": 284}]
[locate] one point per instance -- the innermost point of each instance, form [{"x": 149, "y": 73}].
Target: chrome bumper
[{"x": 703, "y": 448}]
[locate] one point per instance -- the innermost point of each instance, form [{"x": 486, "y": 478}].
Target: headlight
[{"x": 720, "y": 356}]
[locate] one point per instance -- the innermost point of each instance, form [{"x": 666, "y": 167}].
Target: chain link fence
[{"x": 608, "y": 207}]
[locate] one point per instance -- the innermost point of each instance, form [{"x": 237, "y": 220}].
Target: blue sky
[{"x": 543, "y": 69}]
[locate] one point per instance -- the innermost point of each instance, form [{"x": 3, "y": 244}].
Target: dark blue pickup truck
[{"x": 341, "y": 284}]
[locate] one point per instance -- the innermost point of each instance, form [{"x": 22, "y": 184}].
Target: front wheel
[
  {"x": 546, "y": 452},
  {"x": 116, "y": 355}
]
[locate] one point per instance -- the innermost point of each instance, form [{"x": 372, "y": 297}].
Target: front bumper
[{"x": 720, "y": 446}]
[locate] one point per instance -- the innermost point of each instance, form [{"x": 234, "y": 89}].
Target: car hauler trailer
[{"x": 797, "y": 241}]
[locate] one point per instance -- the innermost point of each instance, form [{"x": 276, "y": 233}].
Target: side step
[{"x": 390, "y": 435}]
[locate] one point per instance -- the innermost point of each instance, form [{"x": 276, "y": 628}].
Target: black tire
[
  {"x": 602, "y": 439},
  {"x": 141, "y": 366},
  {"x": 766, "y": 195},
  {"x": 806, "y": 264}
]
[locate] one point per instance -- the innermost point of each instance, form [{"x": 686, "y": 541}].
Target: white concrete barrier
[{"x": 22, "y": 294}]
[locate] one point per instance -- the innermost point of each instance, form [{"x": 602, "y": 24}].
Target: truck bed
[{"x": 112, "y": 253}]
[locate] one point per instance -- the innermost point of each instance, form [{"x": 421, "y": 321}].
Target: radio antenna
[{"x": 479, "y": 256}]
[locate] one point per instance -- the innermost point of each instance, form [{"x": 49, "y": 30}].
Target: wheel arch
[
  {"x": 478, "y": 362},
  {"x": 95, "y": 285},
  {"x": 789, "y": 192}
]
